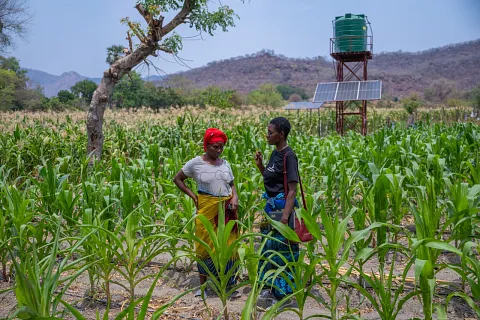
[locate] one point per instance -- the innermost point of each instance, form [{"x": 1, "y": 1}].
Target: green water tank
[{"x": 350, "y": 32}]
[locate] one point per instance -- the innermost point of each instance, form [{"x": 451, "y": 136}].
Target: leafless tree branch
[{"x": 14, "y": 19}]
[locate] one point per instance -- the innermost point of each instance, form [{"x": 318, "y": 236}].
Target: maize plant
[{"x": 62, "y": 216}]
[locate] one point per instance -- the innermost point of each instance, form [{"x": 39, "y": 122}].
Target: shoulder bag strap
[{"x": 285, "y": 184}]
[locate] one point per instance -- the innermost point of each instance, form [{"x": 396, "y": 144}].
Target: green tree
[
  {"x": 266, "y": 95},
  {"x": 14, "y": 94},
  {"x": 159, "y": 98},
  {"x": 286, "y": 91},
  {"x": 114, "y": 53},
  {"x": 412, "y": 103},
  {"x": 12, "y": 64},
  {"x": 30, "y": 99},
  {"x": 8, "y": 80},
  {"x": 65, "y": 96},
  {"x": 214, "y": 96},
  {"x": 84, "y": 89},
  {"x": 130, "y": 91},
  {"x": 201, "y": 15}
]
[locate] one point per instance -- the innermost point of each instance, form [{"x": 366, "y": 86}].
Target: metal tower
[{"x": 351, "y": 51}]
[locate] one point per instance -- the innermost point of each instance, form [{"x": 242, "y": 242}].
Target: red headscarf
[{"x": 213, "y": 135}]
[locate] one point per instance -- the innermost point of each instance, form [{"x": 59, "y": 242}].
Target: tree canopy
[
  {"x": 84, "y": 89},
  {"x": 158, "y": 35}
]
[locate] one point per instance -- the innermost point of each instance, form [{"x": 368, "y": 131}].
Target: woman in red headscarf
[{"x": 214, "y": 178}]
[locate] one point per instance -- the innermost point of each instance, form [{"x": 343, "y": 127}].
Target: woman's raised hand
[{"x": 258, "y": 158}]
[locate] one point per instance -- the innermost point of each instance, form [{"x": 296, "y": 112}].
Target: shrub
[
  {"x": 286, "y": 91},
  {"x": 266, "y": 95},
  {"x": 65, "y": 96},
  {"x": 295, "y": 98},
  {"x": 412, "y": 103}
]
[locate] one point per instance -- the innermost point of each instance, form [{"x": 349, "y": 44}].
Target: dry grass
[{"x": 128, "y": 118}]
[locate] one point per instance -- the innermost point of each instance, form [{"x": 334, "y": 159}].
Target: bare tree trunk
[
  {"x": 149, "y": 44},
  {"x": 102, "y": 96}
]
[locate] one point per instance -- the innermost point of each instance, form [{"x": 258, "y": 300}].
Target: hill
[
  {"x": 401, "y": 72},
  {"x": 52, "y": 84}
]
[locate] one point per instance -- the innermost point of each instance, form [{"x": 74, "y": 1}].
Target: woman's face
[
  {"x": 214, "y": 150},
  {"x": 273, "y": 136}
]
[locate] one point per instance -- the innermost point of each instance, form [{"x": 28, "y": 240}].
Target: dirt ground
[
  {"x": 177, "y": 279},
  {"x": 182, "y": 277}
]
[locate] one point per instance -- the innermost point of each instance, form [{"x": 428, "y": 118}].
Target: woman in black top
[{"x": 273, "y": 178}]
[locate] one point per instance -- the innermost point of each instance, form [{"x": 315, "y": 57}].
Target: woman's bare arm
[
  {"x": 179, "y": 181},
  {"x": 289, "y": 201}
]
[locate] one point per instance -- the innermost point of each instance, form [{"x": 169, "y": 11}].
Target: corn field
[{"x": 395, "y": 218}]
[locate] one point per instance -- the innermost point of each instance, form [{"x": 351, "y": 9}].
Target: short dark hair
[{"x": 281, "y": 124}]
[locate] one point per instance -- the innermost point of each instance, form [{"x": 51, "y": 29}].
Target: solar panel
[
  {"x": 304, "y": 105},
  {"x": 348, "y": 91},
  {"x": 325, "y": 92},
  {"x": 370, "y": 90}
]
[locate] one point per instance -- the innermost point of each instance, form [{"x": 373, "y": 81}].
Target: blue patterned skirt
[
  {"x": 289, "y": 252},
  {"x": 213, "y": 271}
]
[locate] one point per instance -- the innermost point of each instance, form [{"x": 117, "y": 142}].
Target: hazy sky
[{"x": 68, "y": 35}]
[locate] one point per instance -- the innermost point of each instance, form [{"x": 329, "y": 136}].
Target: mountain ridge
[{"x": 401, "y": 72}]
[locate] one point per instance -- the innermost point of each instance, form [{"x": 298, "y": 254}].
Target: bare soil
[{"x": 181, "y": 278}]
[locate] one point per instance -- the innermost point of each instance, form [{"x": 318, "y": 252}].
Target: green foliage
[
  {"x": 8, "y": 80},
  {"x": 412, "y": 103},
  {"x": 132, "y": 92},
  {"x": 217, "y": 97},
  {"x": 201, "y": 15},
  {"x": 31, "y": 99},
  {"x": 14, "y": 94},
  {"x": 128, "y": 93},
  {"x": 159, "y": 97},
  {"x": 53, "y": 104},
  {"x": 61, "y": 218},
  {"x": 208, "y": 21},
  {"x": 12, "y": 64},
  {"x": 65, "y": 96},
  {"x": 287, "y": 91},
  {"x": 266, "y": 95},
  {"x": 84, "y": 89},
  {"x": 173, "y": 43}
]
